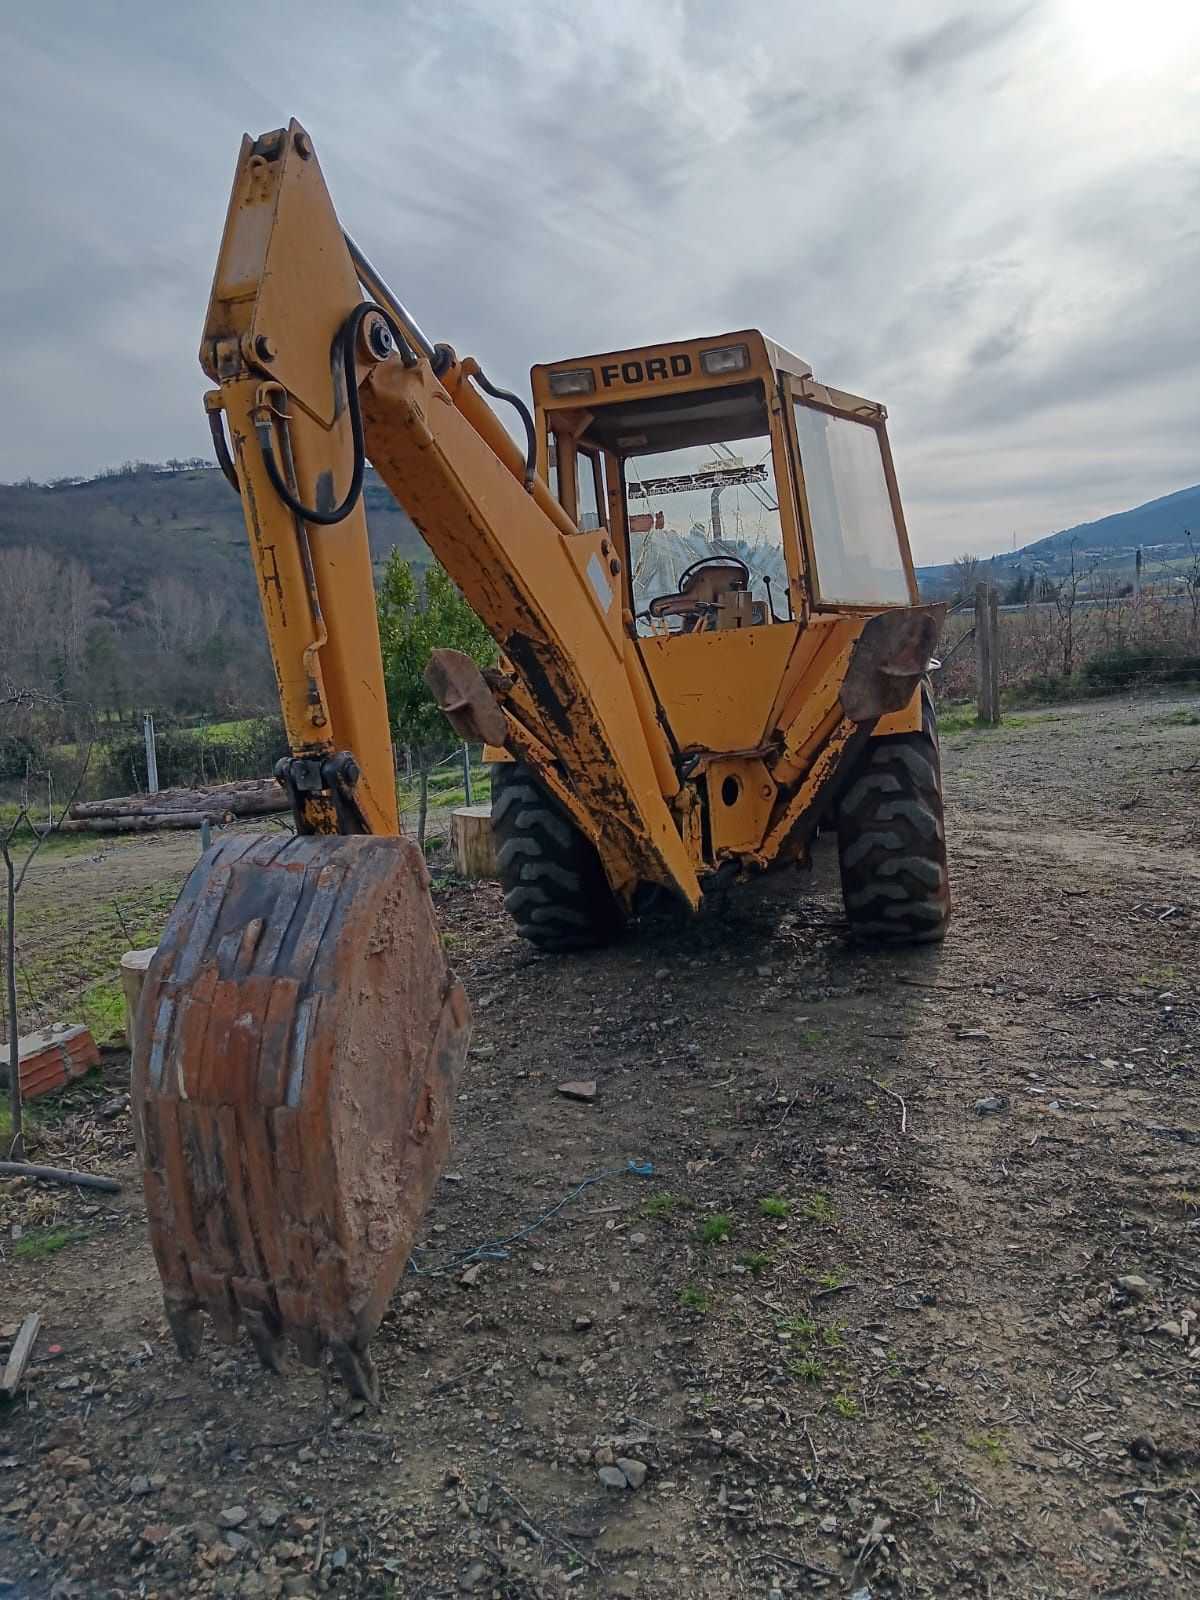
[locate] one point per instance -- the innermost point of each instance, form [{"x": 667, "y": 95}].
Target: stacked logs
[{"x": 177, "y": 808}]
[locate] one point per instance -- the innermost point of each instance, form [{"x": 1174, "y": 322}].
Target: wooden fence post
[{"x": 987, "y": 642}]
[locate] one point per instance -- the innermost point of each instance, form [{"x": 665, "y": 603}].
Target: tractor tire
[
  {"x": 554, "y": 887},
  {"x": 892, "y": 839}
]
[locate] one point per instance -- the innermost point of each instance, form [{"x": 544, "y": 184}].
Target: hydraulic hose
[{"x": 343, "y": 356}]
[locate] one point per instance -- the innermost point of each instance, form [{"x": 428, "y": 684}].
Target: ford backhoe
[{"x": 695, "y": 566}]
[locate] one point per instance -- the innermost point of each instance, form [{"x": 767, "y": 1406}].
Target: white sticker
[{"x": 598, "y": 579}]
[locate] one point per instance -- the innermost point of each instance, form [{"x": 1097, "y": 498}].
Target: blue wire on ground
[{"x": 498, "y": 1249}]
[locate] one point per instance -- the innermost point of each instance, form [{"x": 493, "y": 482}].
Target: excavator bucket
[{"x": 301, "y": 1043}]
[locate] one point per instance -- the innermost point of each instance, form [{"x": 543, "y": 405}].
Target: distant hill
[
  {"x": 134, "y": 525},
  {"x": 1159, "y": 527},
  {"x": 1158, "y": 522}
]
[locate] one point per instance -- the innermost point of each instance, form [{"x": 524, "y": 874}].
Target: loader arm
[
  {"x": 301, "y": 1035},
  {"x": 315, "y": 379}
]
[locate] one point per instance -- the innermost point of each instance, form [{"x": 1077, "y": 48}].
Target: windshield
[{"x": 715, "y": 500}]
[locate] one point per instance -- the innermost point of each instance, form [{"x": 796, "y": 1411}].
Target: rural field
[{"x": 908, "y": 1305}]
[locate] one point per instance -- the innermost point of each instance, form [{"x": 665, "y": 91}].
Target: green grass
[
  {"x": 715, "y": 1228},
  {"x": 808, "y": 1370},
  {"x": 693, "y": 1300},
  {"x": 40, "y": 1242},
  {"x": 962, "y": 717},
  {"x": 101, "y": 1007},
  {"x": 1186, "y": 717},
  {"x": 819, "y": 1208},
  {"x": 49, "y": 1109},
  {"x": 774, "y": 1205},
  {"x": 663, "y": 1207},
  {"x": 754, "y": 1261},
  {"x": 831, "y": 1280},
  {"x": 846, "y": 1405},
  {"x": 799, "y": 1326},
  {"x": 811, "y": 1037},
  {"x": 992, "y": 1446}
]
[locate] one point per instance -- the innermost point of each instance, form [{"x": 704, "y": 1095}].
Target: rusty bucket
[{"x": 299, "y": 1047}]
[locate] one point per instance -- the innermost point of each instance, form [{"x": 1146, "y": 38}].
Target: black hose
[
  {"x": 216, "y": 426},
  {"x": 523, "y": 412},
  {"x": 344, "y": 354}
]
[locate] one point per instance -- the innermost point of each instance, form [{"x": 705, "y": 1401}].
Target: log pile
[{"x": 177, "y": 808}]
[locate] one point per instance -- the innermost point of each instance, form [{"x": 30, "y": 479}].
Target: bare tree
[
  {"x": 176, "y": 615},
  {"x": 1065, "y": 594},
  {"x": 15, "y": 871},
  {"x": 965, "y": 572}
]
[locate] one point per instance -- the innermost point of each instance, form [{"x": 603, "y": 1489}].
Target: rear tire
[
  {"x": 554, "y": 887},
  {"x": 892, "y": 839}
]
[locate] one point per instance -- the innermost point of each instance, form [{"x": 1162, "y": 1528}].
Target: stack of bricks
[{"x": 53, "y": 1057}]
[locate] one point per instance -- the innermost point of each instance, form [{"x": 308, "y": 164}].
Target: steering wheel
[{"x": 708, "y": 561}]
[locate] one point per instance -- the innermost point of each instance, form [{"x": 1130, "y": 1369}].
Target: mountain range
[
  {"x": 1109, "y": 546},
  {"x": 133, "y": 524}
]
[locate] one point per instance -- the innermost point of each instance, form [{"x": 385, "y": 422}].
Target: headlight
[
  {"x": 579, "y": 380},
  {"x": 727, "y": 358}
]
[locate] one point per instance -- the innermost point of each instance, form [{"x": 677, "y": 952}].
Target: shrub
[
  {"x": 187, "y": 757},
  {"x": 1126, "y": 666}
]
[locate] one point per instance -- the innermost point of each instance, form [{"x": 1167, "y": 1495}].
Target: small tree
[
  {"x": 1065, "y": 594},
  {"x": 965, "y": 572},
  {"x": 21, "y": 837},
  {"x": 416, "y": 617}
]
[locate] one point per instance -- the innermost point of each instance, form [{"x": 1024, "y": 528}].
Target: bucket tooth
[{"x": 292, "y": 1092}]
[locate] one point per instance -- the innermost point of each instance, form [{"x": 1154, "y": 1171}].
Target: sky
[{"x": 985, "y": 215}]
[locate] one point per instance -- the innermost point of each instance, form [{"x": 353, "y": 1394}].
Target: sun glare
[{"x": 1133, "y": 36}]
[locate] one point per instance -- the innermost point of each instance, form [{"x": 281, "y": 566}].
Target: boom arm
[{"x": 313, "y": 380}]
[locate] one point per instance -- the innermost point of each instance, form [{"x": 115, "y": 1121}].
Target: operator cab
[{"x": 744, "y": 493}]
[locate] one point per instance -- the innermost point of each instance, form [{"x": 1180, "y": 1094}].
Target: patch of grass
[
  {"x": 664, "y": 1206},
  {"x": 1188, "y": 1199},
  {"x": 1186, "y": 717},
  {"x": 693, "y": 1300},
  {"x": 102, "y": 1009},
  {"x": 774, "y": 1205},
  {"x": 831, "y": 1336},
  {"x": 963, "y": 717},
  {"x": 754, "y": 1261},
  {"x": 819, "y": 1208},
  {"x": 846, "y": 1405},
  {"x": 831, "y": 1280},
  {"x": 800, "y": 1326},
  {"x": 809, "y": 1370},
  {"x": 48, "y": 1109},
  {"x": 715, "y": 1228},
  {"x": 40, "y": 1242},
  {"x": 811, "y": 1037},
  {"x": 991, "y": 1446},
  {"x": 1156, "y": 978}
]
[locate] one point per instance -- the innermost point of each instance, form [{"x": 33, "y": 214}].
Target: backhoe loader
[{"x": 697, "y": 572}]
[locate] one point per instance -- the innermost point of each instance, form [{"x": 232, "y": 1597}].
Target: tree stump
[
  {"x": 133, "y": 975},
  {"x": 474, "y": 852}
]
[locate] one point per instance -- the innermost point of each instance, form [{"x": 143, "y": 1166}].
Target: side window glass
[
  {"x": 855, "y": 539},
  {"x": 587, "y": 472}
]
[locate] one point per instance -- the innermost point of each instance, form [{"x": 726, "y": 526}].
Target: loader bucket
[{"x": 301, "y": 1043}]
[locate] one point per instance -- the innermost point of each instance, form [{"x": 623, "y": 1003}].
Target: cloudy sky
[{"x": 986, "y": 215}]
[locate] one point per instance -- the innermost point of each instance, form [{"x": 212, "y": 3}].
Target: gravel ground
[{"x": 907, "y": 1307}]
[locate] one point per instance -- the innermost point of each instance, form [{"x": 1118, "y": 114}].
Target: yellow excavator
[{"x": 697, "y": 571}]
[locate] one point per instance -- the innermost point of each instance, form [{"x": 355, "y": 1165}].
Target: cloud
[{"x": 956, "y": 213}]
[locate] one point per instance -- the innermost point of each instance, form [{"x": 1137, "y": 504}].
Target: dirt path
[{"x": 954, "y": 1353}]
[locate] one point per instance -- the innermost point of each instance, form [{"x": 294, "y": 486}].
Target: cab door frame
[{"x": 853, "y": 408}]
